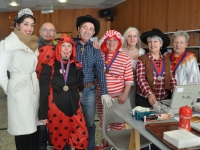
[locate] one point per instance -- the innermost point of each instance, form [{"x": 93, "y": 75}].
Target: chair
[{"x": 119, "y": 139}]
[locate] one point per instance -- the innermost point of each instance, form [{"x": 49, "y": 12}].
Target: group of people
[{"x": 55, "y": 87}]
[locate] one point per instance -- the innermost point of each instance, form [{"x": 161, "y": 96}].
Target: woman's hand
[
  {"x": 122, "y": 98},
  {"x": 96, "y": 45},
  {"x": 152, "y": 99},
  {"x": 45, "y": 121}
]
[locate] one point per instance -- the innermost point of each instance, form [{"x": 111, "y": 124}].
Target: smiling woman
[
  {"x": 132, "y": 47},
  {"x": 119, "y": 77},
  {"x": 19, "y": 55},
  {"x": 61, "y": 81},
  {"x": 154, "y": 83},
  {"x": 184, "y": 64}
]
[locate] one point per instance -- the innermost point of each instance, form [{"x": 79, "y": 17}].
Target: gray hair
[
  {"x": 180, "y": 33},
  {"x": 125, "y": 44},
  {"x": 155, "y": 37}
]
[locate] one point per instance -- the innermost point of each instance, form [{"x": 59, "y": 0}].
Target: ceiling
[{"x": 54, "y": 4}]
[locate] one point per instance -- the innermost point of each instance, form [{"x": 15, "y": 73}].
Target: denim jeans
[
  {"x": 44, "y": 137},
  {"x": 67, "y": 147},
  {"x": 88, "y": 103}
]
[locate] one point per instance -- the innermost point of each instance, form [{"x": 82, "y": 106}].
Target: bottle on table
[{"x": 185, "y": 115}]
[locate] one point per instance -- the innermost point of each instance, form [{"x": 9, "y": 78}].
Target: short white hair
[
  {"x": 181, "y": 33},
  {"x": 154, "y": 37}
]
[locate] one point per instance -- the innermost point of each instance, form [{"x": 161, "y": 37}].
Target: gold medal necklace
[{"x": 65, "y": 74}]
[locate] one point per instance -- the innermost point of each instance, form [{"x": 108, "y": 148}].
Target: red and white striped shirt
[{"x": 120, "y": 73}]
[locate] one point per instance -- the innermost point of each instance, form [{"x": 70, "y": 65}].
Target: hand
[
  {"x": 152, "y": 99},
  {"x": 96, "y": 45},
  {"x": 122, "y": 98},
  {"x": 45, "y": 121},
  {"x": 108, "y": 100}
]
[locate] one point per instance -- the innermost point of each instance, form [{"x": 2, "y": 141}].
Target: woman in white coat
[{"x": 18, "y": 54}]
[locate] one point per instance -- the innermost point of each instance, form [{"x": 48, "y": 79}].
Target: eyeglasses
[
  {"x": 112, "y": 41},
  {"x": 48, "y": 30}
]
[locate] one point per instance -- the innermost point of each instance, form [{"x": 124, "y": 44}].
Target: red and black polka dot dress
[{"x": 66, "y": 123}]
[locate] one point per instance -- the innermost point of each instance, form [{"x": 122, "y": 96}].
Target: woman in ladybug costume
[{"x": 61, "y": 81}]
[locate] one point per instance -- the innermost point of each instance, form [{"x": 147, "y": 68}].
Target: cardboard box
[
  {"x": 181, "y": 138},
  {"x": 139, "y": 115}
]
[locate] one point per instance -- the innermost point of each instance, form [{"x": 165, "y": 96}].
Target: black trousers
[
  {"x": 141, "y": 101},
  {"x": 28, "y": 141}
]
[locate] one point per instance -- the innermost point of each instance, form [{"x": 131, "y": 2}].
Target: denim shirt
[{"x": 92, "y": 64}]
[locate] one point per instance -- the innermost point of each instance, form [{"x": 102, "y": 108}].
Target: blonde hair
[{"x": 125, "y": 44}]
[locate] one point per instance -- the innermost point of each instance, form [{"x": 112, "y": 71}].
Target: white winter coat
[{"x": 22, "y": 89}]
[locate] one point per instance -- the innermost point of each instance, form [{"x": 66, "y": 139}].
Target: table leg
[
  {"x": 132, "y": 140},
  {"x": 137, "y": 140}
]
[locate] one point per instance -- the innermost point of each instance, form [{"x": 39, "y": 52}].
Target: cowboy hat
[
  {"x": 88, "y": 18},
  {"x": 154, "y": 31}
]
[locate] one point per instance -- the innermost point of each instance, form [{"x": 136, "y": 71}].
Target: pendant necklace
[
  {"x": 110, "y": 62},
  {"x": 82, "y": 50},
  {"x": 159, "y": 71},
  {"x": 65, "y": 74}
]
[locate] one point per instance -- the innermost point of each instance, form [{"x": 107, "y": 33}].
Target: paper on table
[
  {"x": 181, "y": 138},
  {"x": 197, "y": 106},
  {"x": 193, "y": 124}
]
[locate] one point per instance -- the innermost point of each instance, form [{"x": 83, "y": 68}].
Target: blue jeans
[
  {"x": 67, "y": 147},
  {"x": 88, "y": 103},
  {"x": 44, "y": 137}
]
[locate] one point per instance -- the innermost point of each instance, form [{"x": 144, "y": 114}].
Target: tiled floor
[{"x": 6, "y": 140}]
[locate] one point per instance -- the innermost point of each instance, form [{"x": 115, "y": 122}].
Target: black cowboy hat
[
  {"x": 154, "y": 31},
  {"x": 88, "y": 18}
]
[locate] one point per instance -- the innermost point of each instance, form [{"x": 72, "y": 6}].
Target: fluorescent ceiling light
[
  {"x": 13, "y": 4},
  {"x": 62, "y": 1},
  {"x": 46, "y": 11}
]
